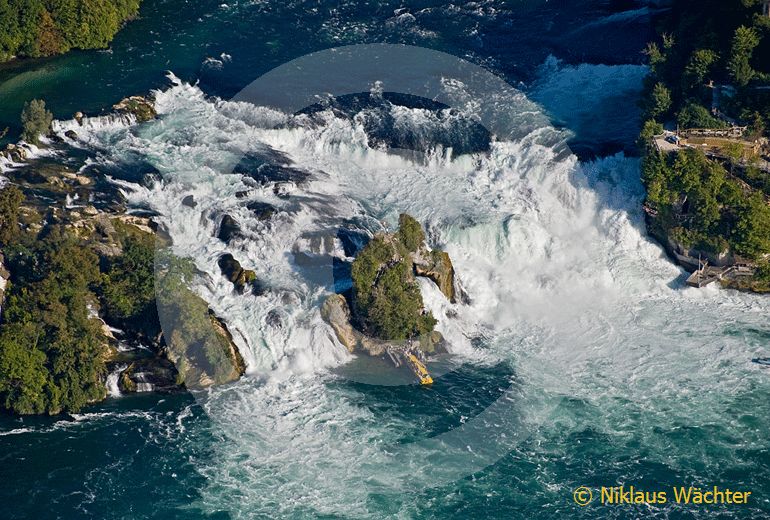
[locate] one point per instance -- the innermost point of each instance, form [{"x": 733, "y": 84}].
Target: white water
[
  {"x": 112, "y": 381},
  {"x": 565, "y": 285}
]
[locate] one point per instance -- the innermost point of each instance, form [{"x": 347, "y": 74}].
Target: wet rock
[
  {"x": 189, "y": 201},
  {"x": 241, "y": 278},
  {"x": 274, "y": 319},
  {"x": 154, "y": 374},
  {"x": 229, "y": 229},
  {"x": 437, "y": 266},
  {"x": 270, "y": 167},
  {"x": 16, "y": 153},
  {"x": 140, "y": 107},
  {"x": 71, "y": 134},
  {"x": 261, "y": 210}
]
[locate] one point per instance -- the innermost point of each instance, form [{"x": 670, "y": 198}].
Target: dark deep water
[{"x": 157, "y": 456}]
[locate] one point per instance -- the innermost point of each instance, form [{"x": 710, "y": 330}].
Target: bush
[
  {"x": 410, "y": 232},
  {"x": 694, "y": 115},
  {"x": 35, "y": 120}
]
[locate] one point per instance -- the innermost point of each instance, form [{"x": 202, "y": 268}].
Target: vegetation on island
[
  {"x": 387, "y": 298},
  {"x": 52, "y": 347},
  {"x": 710, "y": 69},
  {"x": 36, "y": 28}
]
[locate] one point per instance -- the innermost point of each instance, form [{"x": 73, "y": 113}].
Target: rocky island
[{"x": 384, "y": 312}]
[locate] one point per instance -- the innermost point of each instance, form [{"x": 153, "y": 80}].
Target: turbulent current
[
  {"x": 577, "y": 322},
  {"x": 580, "y": 359}
]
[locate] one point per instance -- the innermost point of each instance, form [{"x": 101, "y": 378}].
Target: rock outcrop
[
  {"x": 229, "y": 229},
  {"x": 385, "y": 306},
  {"x": 155, "y": 374},
  {"x": 141, "y": 108},
  {"x": 241, "y": 278},
  {"x": 336, "y": 312},
  {"x": 437, "y": 266}
]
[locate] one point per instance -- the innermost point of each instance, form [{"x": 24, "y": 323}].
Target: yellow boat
[{"x": 419, "y": 369}]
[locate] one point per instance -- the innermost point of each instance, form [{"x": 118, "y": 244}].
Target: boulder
[
  {"x": 189, "y": 201},
  {"x": 261, "y": 210},
  {"x": 238, "y": 276},
  {"x": 229, "y": 229},
  {"x": 197, "y": 341},
  {"x": 139, "y": 107},
  {"x": 71, "y": 134},
  {"x": 82, "y": 180},
  {"x": 16, "y": 153},
  {"x": 335, "y": 312}
]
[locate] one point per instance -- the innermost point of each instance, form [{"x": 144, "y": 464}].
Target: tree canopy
[
  {"x": 35, "y": 28},
  {"x": 387, "y": 297}
]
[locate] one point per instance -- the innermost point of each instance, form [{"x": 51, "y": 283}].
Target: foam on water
[{"x": 565, "y": 287}]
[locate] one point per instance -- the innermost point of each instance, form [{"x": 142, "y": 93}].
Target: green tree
[
  {"x": 48, "y": 342},
  {"x": 734, "y": 153},
  {"x": 387, "y": 299},
  {"x": 655, "y": 57},
  {"x": 128, "y": 286},
  {"x": 11, "y": 198},
  {"x": 752, "y": 231},
  {"x": 659, "y": 102},
  {"x": 745, "y": 41},
  {"x": 24, "y": 378},
  {"x": 35, "y": 120},
  {"x": 32, "y": 28},
  {"x": 694, "y": 115},
  {"x": 699, "y": 67},
  {"x": 650, "y": 129}
]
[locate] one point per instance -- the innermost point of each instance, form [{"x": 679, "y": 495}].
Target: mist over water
[{"x": 610, "y": 371}]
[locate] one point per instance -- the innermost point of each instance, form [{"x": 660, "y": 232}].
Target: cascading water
[{"x": 587, "y": 318}]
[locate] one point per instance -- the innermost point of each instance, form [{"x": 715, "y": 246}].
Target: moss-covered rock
[
  {"x": 241, "y": 278},
  {"x": 140, "y": 107},
  {"x": 198, "y": 342}
]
